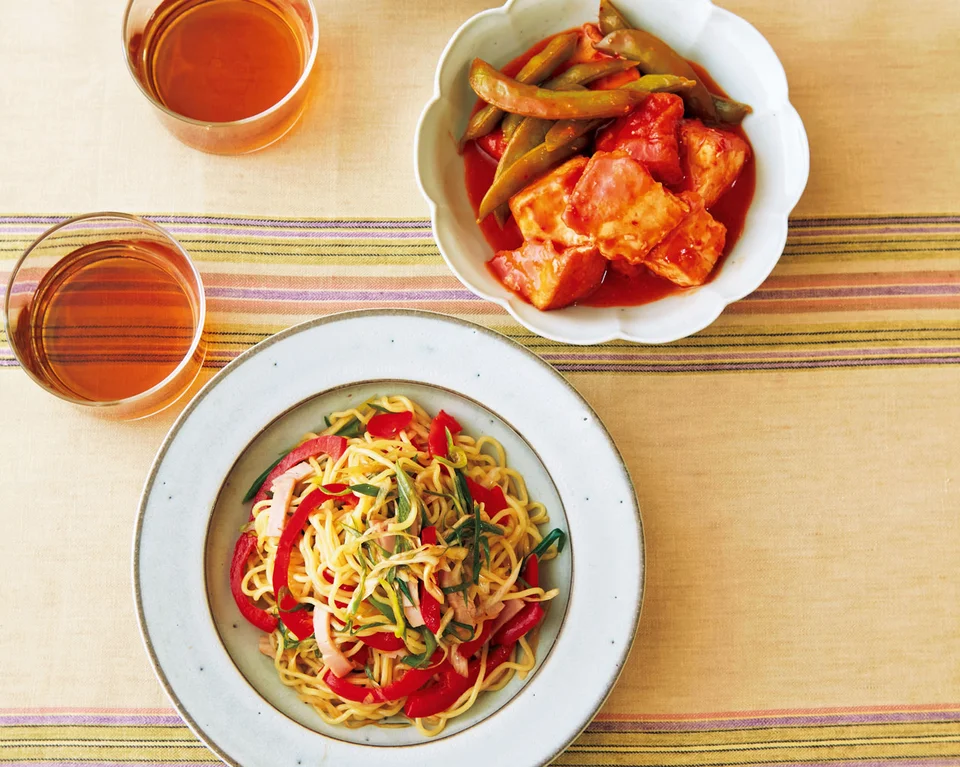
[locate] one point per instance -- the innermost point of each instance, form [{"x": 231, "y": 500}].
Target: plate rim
[{"x": 248, "y": 354}]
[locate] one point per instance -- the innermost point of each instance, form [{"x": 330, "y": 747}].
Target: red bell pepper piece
[
  {"x": 414, "y": 679},
  {"x": 519, "y": 625},
  {"x": 469, "y": 649},
  {"x": 331, "y": 445},
  {"x": 441, "y": 696},
  {"x": 347, "y": 690},
  {"x": 429, "y": 606},
  {"x": 387, "y": 425},
  {"x": 437, "y": 439},
  {"x": 492, "y": 498},
  {"x": 299, "y": 623},
  {"x": 246, "y": 545},
  {"x": 531, "y": 571},
  {"x": 281, "y": 564},
  {"x": 493, "y": 144},
  {"x": 383, "y": 641}
]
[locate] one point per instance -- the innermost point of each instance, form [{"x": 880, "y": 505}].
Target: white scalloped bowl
[{"x": 739, "y": 59}]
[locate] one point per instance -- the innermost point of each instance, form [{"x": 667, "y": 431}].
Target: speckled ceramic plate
[{"x": 206, "y": 656}]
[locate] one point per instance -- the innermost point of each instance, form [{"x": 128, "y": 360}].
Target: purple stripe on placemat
[
  {"x": 789, "y": 720},
  {"x": 797, "y": 354},
  {"x": 342, "y": 295},
  {"x": 873, "y": 291},
  {"x": 131, "y": 719},
  {"x": 833, "y": 231}
]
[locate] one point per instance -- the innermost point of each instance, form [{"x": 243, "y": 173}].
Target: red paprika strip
[
  {"x": 441, "y": 696},
  {"x": 469, "y": 649},
  {"x": 246, "y": 545},
  {"x": 531, "y": 571},
  {"x": 429, "y": 606},
  {"x": 388, "y": 425},
  {"x": 331, "y": 445},
  {"x": 492, "y": 498},
  {"x": 437, "y": 439},
  {"x": 281, "y": 564},
  {"x": 521, "y": 624},
  {"x": 299, "y": 623},
  {"x": 347, "y": 690},
  {"x": 414, "y": 679},
  {"x": 383, "y": 641}
]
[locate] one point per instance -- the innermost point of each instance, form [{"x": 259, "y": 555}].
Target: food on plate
[
  {"x": 605, "y": 169},
  {"x": 393, "y": 564}
]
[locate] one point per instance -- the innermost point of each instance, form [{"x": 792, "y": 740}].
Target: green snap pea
[
  {"x": 610, "y": 19},
  {"x": 528, "y": 135},
  {"x": 565, "y": 131},
  {"x": 530, "y": 101},
  {"x": 534, "y": 164},
  {"x": 730, "y": 111},
  {"x": 556, "y": 52},
  {"x": 661, "y": 84},
  {"x": 576, "y": 76},
  {"x": 658, "y": 58}
]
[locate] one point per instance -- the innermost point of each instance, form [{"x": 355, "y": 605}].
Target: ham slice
[
  {"x": 463, "y": 611},
  {"x": 283, "y": 494},
  {"x": 510, "y": 609},
  {"x": 411, "y": 610},
  {"x": 333, "y": 659}
]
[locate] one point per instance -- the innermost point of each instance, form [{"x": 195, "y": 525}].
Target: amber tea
[
  {"x": 114, "y": 320},
  {"x": 236, "y": 67}
]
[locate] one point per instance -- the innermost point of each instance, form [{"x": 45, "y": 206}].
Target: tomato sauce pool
[{"x": 617, "y": 289}]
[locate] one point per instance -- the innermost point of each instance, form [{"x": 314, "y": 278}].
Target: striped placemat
[
  {"x": 918, "y": 736},
  {"x": 848, "y": 292}
]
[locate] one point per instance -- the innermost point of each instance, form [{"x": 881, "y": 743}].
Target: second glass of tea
[
  {"x": 225, "y": 76},
  {"x": 107, "y": 311}
]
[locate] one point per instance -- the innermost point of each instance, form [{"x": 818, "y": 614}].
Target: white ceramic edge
[
  {"x": 555, "y": 719},
  {"x": 523, "y": 312}
]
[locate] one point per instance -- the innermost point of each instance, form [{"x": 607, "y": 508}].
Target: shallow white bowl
[
  {"x": 206, "y": 656},
  {"x": 738, "y": 58}
]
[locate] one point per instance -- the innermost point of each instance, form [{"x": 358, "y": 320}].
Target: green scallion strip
[
  {"x": 453, "y": 626},
  {"x": 364, "y": 489},
  {"x": 554, "y": 536},
  {"x": 383, "y": 607},
  {"x": 422, "y": 659},
  {"x": 352, "y": 428},
  {"x": 454, "y": 589},
  {"x": 260, "y": 480},
  {"x": 407, "y": 498}
]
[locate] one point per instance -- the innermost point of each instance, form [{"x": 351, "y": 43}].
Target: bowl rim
[
  {"x": 596, "y": 423},
  {"x": 519, "y": 309}
]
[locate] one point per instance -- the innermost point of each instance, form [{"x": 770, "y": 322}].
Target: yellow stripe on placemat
[
  {"x": 908, "y": 736},
  {"x": 848, "y": 292}
]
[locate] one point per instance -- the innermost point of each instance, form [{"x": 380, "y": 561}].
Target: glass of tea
[
  {"x": 107, "y": 310},
  {"x": 225, "y": 76}
]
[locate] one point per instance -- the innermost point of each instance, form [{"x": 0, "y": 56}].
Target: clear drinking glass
[
  {"x": 106, "y": 311},
  {"x": 224, "y": 76}
]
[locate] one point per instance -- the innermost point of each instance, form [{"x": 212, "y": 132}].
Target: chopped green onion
[
  {"x": 364, "y": 489},
  {"x": 289, "y": 640},
  {"x": 405, "y": 589},
  {"x": 352, "y": 428},
  {"x": 369, "y": 672},
  {"x": 260, "y": 480},
  {"x": 379, "y": 408},
  {"x": 422, "y": 659},
  {"x": 454, "y": 589},
  {"x": 454, "y": 625},
  {"x": 407, "y": 498},
  {"x": 488, "y": 527},
  {"x": 383, "y": 607},
  {"x": 554, "y": 536}
]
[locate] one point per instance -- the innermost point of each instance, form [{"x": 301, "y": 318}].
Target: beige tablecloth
[{"x": 798, "y": 463}]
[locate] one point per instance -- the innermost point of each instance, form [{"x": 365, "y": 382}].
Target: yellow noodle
[{"x": 341, "y": 560}]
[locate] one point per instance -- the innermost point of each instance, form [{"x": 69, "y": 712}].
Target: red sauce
[{"x": 616, "y": 289}]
